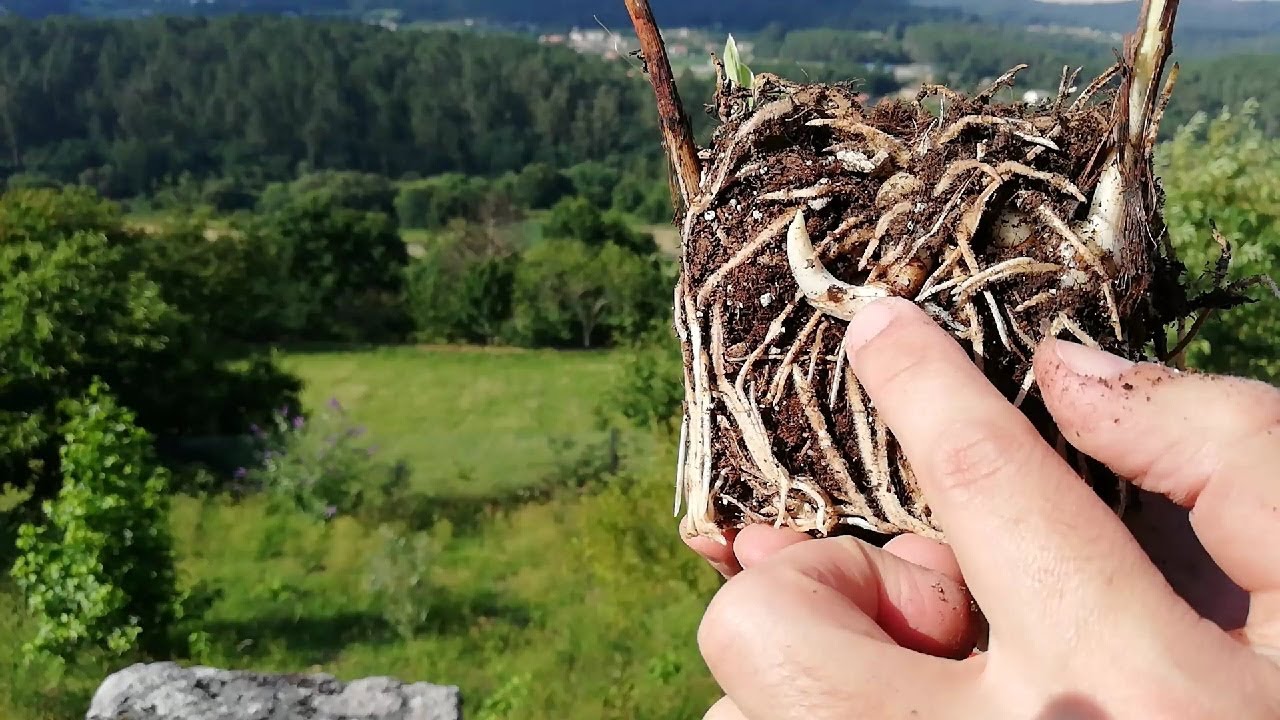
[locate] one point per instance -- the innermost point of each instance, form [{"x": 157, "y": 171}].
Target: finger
[
  {"x": 1209, "y": 443},
  {"x": 757, "y": 543},
  {"x": 724, "y": 710},
  {"x": 838, "y": 609},
  {"x": 719, "y": 555},
  {"x": 1040, "y": 552},
  {"x": 798, "y": 636},
  {"x": 926, "y": 553}
]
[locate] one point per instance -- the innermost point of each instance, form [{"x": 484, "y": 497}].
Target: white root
[
  {"x": 813, "y": 191},
  {"x": 823, "y": 291},
  {"x": 780, "y": 379},
  {"x": 680, "y": 460},
  {"x": 996, "y": 315},
  {"x": 1096, "y": 86},
  {"x": 960, "y": 167},
  {"x": 831, "y": 454},
  {"x": 882, "y": 228},
  {"x": 879, "y": 140},
  {"x": 1036, "y": 300},
  {"x": 1000, "y": 271},
  {"x": 836, "y": 377}
]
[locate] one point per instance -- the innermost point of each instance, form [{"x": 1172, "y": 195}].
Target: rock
[{"x": 167, "y": 691}]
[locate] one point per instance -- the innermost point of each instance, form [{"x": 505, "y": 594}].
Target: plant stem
[
  {"x": 677, "y": 133},
  {"x": 1150, "y": 48}
]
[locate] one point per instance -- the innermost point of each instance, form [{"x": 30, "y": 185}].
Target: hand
[{"x": 1083, "y": 622}]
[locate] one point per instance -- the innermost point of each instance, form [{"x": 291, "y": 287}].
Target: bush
[
  {"x": 320, "y": 466},
  {"x": 69, "y": 311},
  {"x": 100, "y": 573},
  {"x": 399, "y": 578},
  {"x": 364, "y": 192},
  {"x": 650, "y": 388},
  {"x": 434, "y": 202},
  {"x": 83, "y": 298},
  {"x": 576, "y": 218}
]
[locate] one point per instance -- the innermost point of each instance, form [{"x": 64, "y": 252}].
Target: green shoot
[{"x": 737, "y": 72}]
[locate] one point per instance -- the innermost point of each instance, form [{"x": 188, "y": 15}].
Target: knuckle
[{"x": 972, "y": 457}]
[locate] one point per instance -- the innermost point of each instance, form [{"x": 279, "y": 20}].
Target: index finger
[{"x": 1040, "y": 552}]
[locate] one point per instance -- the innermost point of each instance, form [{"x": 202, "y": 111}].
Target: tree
[
  {"x": 568, "y": 292},
  {"x": 70, "y": 310},
  {"x": 577, "y": 218},
  {"x": 1222, "y": 172},
  {"x": 341, "y": 270},
  {"x": 99, "y": 573},
  {"x": 461, "y": 289},
  {"x": 366, "y": 192},
  {"x": 86, "y": 299}
]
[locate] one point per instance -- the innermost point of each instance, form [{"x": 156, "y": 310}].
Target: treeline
[
  {"x": 126, "y": 107},
  {"x": 735, "y": 14}
]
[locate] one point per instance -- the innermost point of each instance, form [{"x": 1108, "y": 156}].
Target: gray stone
[{"x": 167, "y": 691}]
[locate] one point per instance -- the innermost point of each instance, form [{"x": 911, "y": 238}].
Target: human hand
[{"x": 1083, "y": 622}]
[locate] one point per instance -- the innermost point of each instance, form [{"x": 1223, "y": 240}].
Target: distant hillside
[
  {"x": 734, "y": 14},
  {"x": 1224, "y": 18}
]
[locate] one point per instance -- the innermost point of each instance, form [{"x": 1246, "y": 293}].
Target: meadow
[{"x": 581, "y": 603}]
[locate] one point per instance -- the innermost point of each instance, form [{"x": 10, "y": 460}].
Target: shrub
[
  {"x": 649, "y": 391},
  {"x": 399, "y": 578},
  {"x": 364, "y": 192},
  {"x": 321, "y": 466},
  {"x": 99, "y": 574},
  {"x": 84, "y": 298},
  {"x": 576, "y": 218}
]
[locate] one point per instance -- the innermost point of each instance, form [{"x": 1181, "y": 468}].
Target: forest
[
  {"x": 329, "y": 346},
  {"x": 129, "y": 107}
]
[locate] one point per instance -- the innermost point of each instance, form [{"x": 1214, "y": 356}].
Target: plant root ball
[{"x": 980, "y": 213}]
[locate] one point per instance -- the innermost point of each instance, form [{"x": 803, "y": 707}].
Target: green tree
[
  {"x": 341, "y": 271},
  {"x": 70, "y": 310},
  {"x": 568, "y": 292},
  {"x": 577, "y": 218},
  {"x": 461, "y": 289},
  {"x": 1222, "y": 171},
  {"x": 98, "y": 574}
]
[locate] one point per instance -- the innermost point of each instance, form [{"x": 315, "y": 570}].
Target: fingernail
[
  {"x": 868, "y": 323},
  {"x": 1090, "y": 362}
]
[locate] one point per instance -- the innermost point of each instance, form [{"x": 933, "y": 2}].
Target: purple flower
[
  {"x": 330, "y": 512},
  {"x": 298, "y": 422},
  {"x": 356, "y": 432},
  {"x": 256, "y": 431},
  {"x": 241, "y": 473},
  {"x": 333, "y": 403}
]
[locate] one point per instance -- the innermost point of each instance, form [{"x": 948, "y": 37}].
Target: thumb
[{"x": 1208, "y": 443}]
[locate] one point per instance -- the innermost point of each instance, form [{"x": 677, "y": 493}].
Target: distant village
[{"x": 691, "y": 49}]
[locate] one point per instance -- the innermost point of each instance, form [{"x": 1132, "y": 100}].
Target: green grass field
[
  {"x": 582, "y": 607},
  {"x": 468, "y": 421}
]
